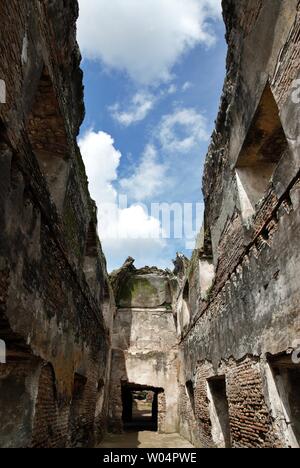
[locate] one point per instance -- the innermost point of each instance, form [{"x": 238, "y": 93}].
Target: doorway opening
[
  {"x": 284, "y": 384},
  {"x": 219, "y": 412},
  {"x": 140, "y": 408},
  {"x": 78, "y": 420}
]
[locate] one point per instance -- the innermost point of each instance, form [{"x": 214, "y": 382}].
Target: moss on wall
[{"x": 135, "y": 288}]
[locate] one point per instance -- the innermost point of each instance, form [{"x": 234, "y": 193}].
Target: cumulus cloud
[
  {"x": 182, "y": 130},
  {"x": 122, "y": 228},
  {"x": 148, "y": 179},
  {"x": 141, "y": 104},
  {"x": 101, "y": 161},
  {"x": 145, "y": 38}
]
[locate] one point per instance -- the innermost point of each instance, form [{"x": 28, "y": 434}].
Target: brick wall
[
  {"x": 202, "y": 408},
  {"x": 162, "y": 408},
  {"x": 252, "y": 310},
  {"x": 45, "y": 220},
  {"x": 250, "y": 419},
  {"x": 50, "y": 426}
]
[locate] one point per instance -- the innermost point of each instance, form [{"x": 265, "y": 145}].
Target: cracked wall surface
[
  {"x": 144, "y": 346},
  {"x": 55, "y": 300},
  {"x": 251, "y": 311},
  {"x": 216, "y": 338}
]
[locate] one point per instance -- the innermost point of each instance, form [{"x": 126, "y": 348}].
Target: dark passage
[
  {"x": 140, "y": 408},
  {"x": 287, "y": 379},
  {"x": 220, "y": 404}
]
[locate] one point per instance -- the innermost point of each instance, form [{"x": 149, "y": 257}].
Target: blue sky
[{"x": 153, "y": 75}]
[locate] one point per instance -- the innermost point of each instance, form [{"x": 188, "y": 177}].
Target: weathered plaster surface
[
  {"x": 50, "y": 313},
  {"x": 251, "y": 311},
  {"x": 144, "y": 341}
]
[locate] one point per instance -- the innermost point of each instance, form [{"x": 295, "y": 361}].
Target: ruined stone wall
[
  {"x": 56, "y": 304},
  {"x": 236, "y": 349},
  {"x": 144, "y": 343}
]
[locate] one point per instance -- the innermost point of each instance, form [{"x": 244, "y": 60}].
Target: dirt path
[{"x": 144, "y": 440}]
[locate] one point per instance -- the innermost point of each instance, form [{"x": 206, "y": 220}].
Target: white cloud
[
  {"x": 186, "y": 86},
  {"x": 172, "y": 89},
  {"x": 123, "y": 230},
  {"x": 144, "y": 38},
  {"x": 142, "y": 103},
  {"x": 145, "y": 251},
  {"x": 101, "y": 161},
  {"x": 182, "y": 130},
  {"x": 148, "y": 179}
]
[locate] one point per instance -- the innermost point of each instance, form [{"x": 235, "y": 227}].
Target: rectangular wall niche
[
  {"x": 219, "y": 412},
  {"x": 48, "y": 138},
  {"x": 264, "y": 146},
  {"x": 284, "y": 394},
  {"x": 90, "y": 262}
]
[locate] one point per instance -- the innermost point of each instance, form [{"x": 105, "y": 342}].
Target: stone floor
[{"x": 144, "y": 440}]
